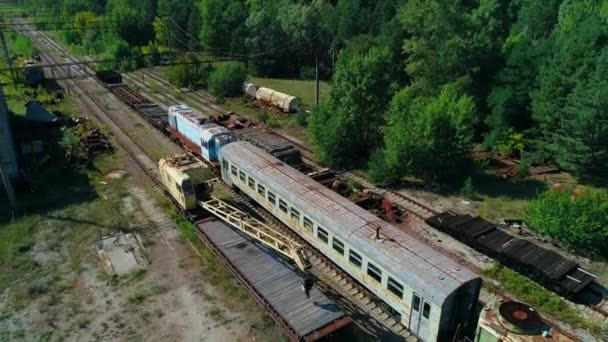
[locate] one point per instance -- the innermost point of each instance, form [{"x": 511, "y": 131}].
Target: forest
[{"x": 415, "y": 84}]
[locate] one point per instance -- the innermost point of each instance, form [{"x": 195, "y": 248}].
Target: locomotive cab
[
  {"x": 213, "y": 138},
  {"x": 183, "y": 177}
]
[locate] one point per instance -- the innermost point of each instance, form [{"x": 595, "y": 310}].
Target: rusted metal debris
[
  {"x": 232, "y": 121},
  {"x": 94, "y": 141},
  {"x": 508, "y": 167},
  {"x": 380, "y": 206}
]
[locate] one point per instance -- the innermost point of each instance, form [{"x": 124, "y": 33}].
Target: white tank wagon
[
  {"x": 434, "y": 296},
  {"x": 284, "y": 102},
  {"x": 250, "y": 89}
]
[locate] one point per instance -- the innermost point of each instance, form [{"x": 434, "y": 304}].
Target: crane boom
[{"x": 256, "y": 229}]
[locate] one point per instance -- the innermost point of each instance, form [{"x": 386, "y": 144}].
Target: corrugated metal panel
[
  {"x": 428, "y": 272},
  {"x": 274, "y": 279},
  {"x": 550, "y": 266}
]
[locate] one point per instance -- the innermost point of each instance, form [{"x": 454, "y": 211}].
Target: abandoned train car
[{"x": 433, "y": 295}]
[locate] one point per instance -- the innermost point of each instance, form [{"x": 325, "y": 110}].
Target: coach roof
[{"x": 427, "y": 271}]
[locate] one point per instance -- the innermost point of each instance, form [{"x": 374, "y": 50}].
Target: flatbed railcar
[
  {"x": 549, "y": 268},
  {"x": 145, "y": 107},
  {"x": 434, "y": 296},
  {"x": 271, "y": 143}
]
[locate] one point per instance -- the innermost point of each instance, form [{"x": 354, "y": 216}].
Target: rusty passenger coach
[{"x": 433, "y": 295}]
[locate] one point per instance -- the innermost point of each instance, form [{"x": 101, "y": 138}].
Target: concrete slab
[{"x": 120, "y": 254}]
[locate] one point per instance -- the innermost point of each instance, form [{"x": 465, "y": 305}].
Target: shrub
[
  {"x": 380, "y": 172},
  {"x": 227, "y": 79},
  {"x": 183, "y": 75},
  {"x": 523, "y": 169},
  {"x": 467, "y": 189},
  {"x": 203, "y": 75},
  {"x": 574, "y": 216},
  {"x": 307, "y": 72},
  {"x": 302, "y": 118},
  {"x": 510, "y": 143}
]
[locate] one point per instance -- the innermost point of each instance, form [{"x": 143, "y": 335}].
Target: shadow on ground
[
  {"x": 493, "y": 185},
  {"x": 48, "y": 182}
]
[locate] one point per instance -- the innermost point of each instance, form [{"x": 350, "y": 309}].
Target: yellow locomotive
[{"x": 183, "y": 177}]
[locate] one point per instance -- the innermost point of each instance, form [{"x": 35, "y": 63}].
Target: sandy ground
[{"x": 168, "y": 301}]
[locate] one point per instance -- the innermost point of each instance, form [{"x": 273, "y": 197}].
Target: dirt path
[{"x": 190, "y": 302}]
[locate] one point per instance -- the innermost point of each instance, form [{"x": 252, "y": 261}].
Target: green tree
[
  {"x": 450, "y": 39},
  {"x": 578, "y": 218},
  {"x": 178, "y": 23},
  {"x": 352, "y": 18},
  {"x": 426, "y": 136},
  {"x": 527, "y": 47},
  {"x": 227, "y": 79},
  {"x": 348, "y": 129},
  {"x": 184, "y": 73},
  {"x": 223, "y": 25},
  {"x": 570, "y": 103}
]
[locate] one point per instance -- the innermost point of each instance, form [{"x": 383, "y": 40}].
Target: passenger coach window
[
  {"x": 337, "y": 245},
  {"x": 242, "y": 176},
  {"x": 355, "y": 259},
  {"x": 261, "y": 190},
  {"x": 426, "y": 311},
  {"x": 271, "y": 198},
  {"x": 374, "y": 272},
  {"x": 308, "y": 223},
  {"x": 251, "y": 182},
  {"x": 395, "y": 287},
  {"x": 283, "y": 205},
  {"x": 322, "y": 235},
  {"x": 233, "y": 170},
  {"x": 295, "y": 214}
]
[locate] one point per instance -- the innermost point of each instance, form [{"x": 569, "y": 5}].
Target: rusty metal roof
[
  {"x": 189, "y": 114},
  {"x": 427, "y": 271},
  {"x": 209, "y": 130}
]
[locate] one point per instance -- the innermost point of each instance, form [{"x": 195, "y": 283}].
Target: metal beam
[{"x": 269, "y": 236}]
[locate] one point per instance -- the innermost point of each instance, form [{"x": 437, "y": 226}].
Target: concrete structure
[{"x": 8, "y": 156}]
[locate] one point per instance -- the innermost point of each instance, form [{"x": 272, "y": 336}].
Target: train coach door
[{"x": 419, "y": 319}]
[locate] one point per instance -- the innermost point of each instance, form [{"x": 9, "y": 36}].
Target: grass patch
[
  {"x": 137, "y": 296},
  {"x": 537, "y": 296},
  {"x": 305, "y": 90},
  {"x": 216, "y": 313}
]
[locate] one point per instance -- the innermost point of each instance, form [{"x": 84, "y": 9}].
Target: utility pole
[{"x": 8, "y": 59}]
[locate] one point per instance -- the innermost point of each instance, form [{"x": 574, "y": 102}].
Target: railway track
[
  {"x": 341, "y": 284},
  {"x": 137, "y": 153},
  {"x": 329, "y": 273}
]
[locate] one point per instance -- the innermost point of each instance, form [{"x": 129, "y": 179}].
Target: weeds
[
  {"x": 137, "y": 296},
  {"x": 537, "y": 296},
  {"x": 216, "y": 313}
]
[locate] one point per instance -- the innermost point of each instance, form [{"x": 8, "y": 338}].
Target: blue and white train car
[
  {"x": 213, "y": 138},
  {"x": 196, "y": 133},
  {"x": 434, "y": 296}
]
